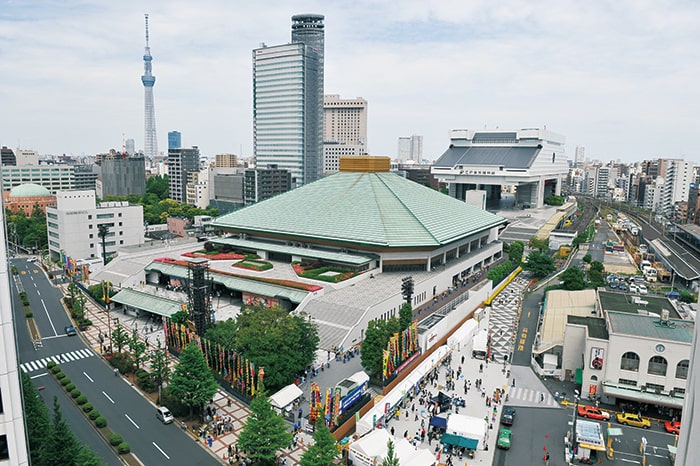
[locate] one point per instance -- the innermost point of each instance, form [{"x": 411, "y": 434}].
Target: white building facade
[
  {"x": 73, "y": 225},
  {"x": 344, "y": 130},
  {"x": 534, "y": 160}
]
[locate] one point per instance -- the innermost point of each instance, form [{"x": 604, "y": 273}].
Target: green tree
[
  {"x": 539, "y": 264},
  {"x": 573, "y": 279},
  {"x": 87, "y": 457},
  {"x": 38, "y": 423},
  {"x": 160, "y": 365},
  {"x": 324, "y": 450},
  {"x": 376, "y": 338},
  {"x": 597, "y": 266},
  {"x": 159, "y": 186},
  {"x": 137, "y": 348},
  {"x": 264, "y": 433},
  {"x": 554, "y": 200},
  {"x": 542, "y": 244},
  {"x": 180, "y": 317},
  {"x": 515, "y": 252},
  {"x": 223, "y": 333},
  {"x": 192, "y": 381},
  {"x": 281, "y": 343},
  {"x": 391, "y": 458},
  {"x": 62, "y": 444},
  {"x": 596, "y": 279},
  {"x": 120, "y": 337},
  {"x": 405, "y": 316},
  {"x": 587, "y": 258}
]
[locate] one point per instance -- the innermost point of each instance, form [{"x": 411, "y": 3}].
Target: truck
[
  {"x": 480, "y": 345},
  {"x": 650, "y": 274}
]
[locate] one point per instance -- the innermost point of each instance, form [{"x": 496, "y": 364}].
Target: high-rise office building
[
  {"x": 410, "y": 148},
  {"x": 225, "y": 161},
  {"x": 288, "y": 102},
  {"x": 122, "y": 176},
  {"x": 130, "y": 146},
  {"x": 344, "y": 130},
  {"x": 181, "y": 162},
  {"x": 580, "y": 155},
  {"x": 174, "y": 140},
  {"x": 7, "y": 156},
  {"x": 150, "y": 140}
]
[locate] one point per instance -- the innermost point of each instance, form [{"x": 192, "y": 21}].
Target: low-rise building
[{"x": 73, "y": 225}]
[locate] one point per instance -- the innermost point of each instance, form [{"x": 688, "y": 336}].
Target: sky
[{"x": 617, "y": 77}]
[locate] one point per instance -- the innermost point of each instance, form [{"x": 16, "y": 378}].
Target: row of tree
[
  {"x": 377, "y": 336},
  {"x": 50, "y": 439}
]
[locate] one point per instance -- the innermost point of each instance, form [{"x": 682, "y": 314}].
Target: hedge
[
  {"x": 115, "y": 439},
  {"x": 123, "y": 448}
]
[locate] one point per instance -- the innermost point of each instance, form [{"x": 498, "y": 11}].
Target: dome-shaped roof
[{"x": 29, "y": 190}]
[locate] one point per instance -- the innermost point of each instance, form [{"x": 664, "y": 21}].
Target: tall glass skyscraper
[
  {"x": 288, "y": 102},
  {"x": 174, "y": 140}
]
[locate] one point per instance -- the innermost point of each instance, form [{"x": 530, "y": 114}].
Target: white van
[{"x": 164, "y": 415}]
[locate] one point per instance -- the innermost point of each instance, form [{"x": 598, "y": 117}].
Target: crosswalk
[
  {"x": 40, "y": 364},
  {"x": 528, "y": 397}
]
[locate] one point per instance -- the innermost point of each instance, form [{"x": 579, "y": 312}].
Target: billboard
[{"x": 597, "y": 358}]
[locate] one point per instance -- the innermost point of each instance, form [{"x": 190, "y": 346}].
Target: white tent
[
  {"x": 285, "y": 397},
  {"x": 373, "y": 446},
  {"x": 399, "y": 392},
  {"x": 467, "y": 426},
  {"x": 463, "y": 334}
]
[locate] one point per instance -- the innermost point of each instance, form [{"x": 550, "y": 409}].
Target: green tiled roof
[
  {"x": 377, "y": 208},
  {"x": 234, "y": 283},
  {"x": 650, "y": 327},
  {"x": 146, "y": 301}
]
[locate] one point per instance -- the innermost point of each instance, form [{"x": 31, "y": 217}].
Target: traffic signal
[{"x": 407, "y": 288}]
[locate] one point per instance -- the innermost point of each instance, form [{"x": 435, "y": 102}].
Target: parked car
[
  {"x": 592, "y": 412},
  {"x": 70, "y": 330},
  {"x": 673, "y": 295},
  {"x": 672, "y": 427},
  {"x": 504, "y": 439},
  {"x": 642, "y": 289},
  {"x": 508, "y": 416},
  {"x": 634, "y": 420},
  {"x": 164, "y": 415},
  {"x": 634, "y": 288}
]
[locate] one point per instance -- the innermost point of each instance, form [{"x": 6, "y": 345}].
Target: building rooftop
[
  {"x": 559, "y": 306},
  {"x": 507, "y": 157},
  {"x": 596, "y": 325},
  {"x": 623, "y": 302},
  {"x": 29, "y": 190},
  {"x": 651, "y": 327},
  {"x": 379, "y": 209}
]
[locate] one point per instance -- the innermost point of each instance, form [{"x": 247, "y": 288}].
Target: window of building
[
  {"x": 89, "y": 216},
  {"x": 682, "y": 369},
  {"x": 657, "y": 366},
  {"x": 4, "y": 449},
  {"x": 630, "y": 362},
  {"x": 654, "y": 387},
  {"x": 121, "y": 241},
  {"x": 679, "y": 390},
  {"x": 109, "y": 215},
  {"x": 632, "y": 383},
  {"x": 90, "y": 226}
]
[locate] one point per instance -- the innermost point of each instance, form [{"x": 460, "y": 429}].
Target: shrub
[
  {"x": 94, "y": 414},
  {"x": 145, "y": 381},
  {"x": 101, "y": 422},
  {"x": 28, "y": 314},
  {"x": 59, "y": 375},
  {"x": 81, "y": 400},
  {"x": 115, "y": 439},
  {"x": 65, "y": 381},
  {"x": 50, "y": 365},
  {"x": 69, "y": 387},
  {"x": 75, "y": 393},
  {"x": 87, "y": 407},
  {"x": 124, "y": 448}
]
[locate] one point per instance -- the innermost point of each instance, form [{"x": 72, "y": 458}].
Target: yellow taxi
[{"x": 634, "y": 420}]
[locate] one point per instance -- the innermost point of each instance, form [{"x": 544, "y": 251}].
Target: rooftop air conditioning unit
[{"x": 665, "y": 315}]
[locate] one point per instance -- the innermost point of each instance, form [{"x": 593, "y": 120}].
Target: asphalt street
[{"x": 127, "y": 412}]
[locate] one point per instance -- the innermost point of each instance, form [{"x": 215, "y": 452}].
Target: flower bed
[
  {"x": 318, "y": 273},
  {"x": 216, "y": 256},
  {"x": 253, "y": 265},
  {"x": 273, "y": 281}
]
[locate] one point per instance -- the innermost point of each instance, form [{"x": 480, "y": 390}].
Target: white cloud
[{"x": 616, "y": 77}]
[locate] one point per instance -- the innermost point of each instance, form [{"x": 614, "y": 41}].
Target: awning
[
  {"x": 579, "y": 376},
  {"x": 464, "y": 442},
  {"x": 590, "y": 446},
  {"x": 439, "y": 422}
]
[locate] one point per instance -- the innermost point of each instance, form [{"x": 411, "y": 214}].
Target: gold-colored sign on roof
[{"x": 365, "y": 164}]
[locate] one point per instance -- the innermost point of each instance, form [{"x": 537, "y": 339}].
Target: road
[{"x": 126, "y": 411}]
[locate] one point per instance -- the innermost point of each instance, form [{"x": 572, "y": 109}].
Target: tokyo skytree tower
[{"x": 148, "y": 80}]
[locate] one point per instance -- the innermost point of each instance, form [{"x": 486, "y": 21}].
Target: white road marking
[
  {"x": 160, "y": 450},
  {"x": 47, "y": 315},
  {"x": 132, "y": 421},
  {"x": 108, "y": 397},
  {"x": 40, "y": 375},
  {"x": 89, "y": 378}
]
